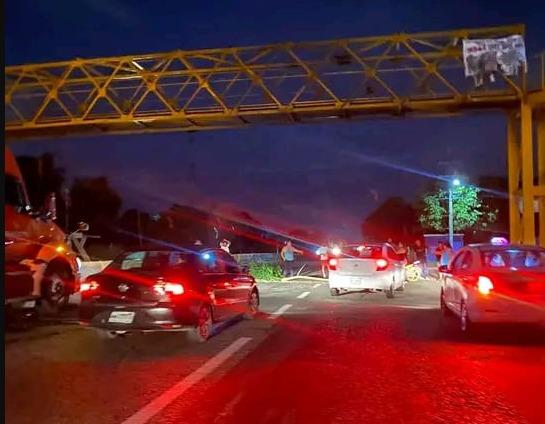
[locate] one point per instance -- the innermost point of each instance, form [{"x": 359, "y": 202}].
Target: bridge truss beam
[{"x": 232, "y": 87}]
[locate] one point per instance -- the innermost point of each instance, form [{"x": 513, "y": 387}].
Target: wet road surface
[{"x": 309, "y": 358}]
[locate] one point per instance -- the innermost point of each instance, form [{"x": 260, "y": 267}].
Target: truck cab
[{"x": 39, "y": 264}]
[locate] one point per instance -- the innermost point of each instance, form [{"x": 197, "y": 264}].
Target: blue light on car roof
[{"x": 206, "y": 256}]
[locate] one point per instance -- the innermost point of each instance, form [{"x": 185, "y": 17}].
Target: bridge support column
[
  {"x": 527, "y": 162},
  {"x": 540, "y": 190},
  {"x": 513, "y": 165}
]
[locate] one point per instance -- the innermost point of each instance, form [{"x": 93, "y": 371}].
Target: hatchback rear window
[
  {"x": 513, "y": 258},
  {"x": 367, "y": 252}
]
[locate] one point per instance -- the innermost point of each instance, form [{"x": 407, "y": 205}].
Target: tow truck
[{"x": 40, "y": 268}]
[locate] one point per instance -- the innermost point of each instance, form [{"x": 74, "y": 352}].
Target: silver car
[
  {"x": 367, "y": 267},
  {"x": 495, "y": 284}
]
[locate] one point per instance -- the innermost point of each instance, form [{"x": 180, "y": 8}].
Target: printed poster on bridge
[{"x": 484, "y": 57}]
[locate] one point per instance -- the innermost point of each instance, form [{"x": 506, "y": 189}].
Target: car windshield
[
  {"x": 13, "y": 192},
  {"x": 361, "y": 251},
  {"x": 514, "y": 258},
  {"x": 150, "y": 260}
]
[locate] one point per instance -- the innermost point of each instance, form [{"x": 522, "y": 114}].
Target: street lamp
[{"x": 455, "y": 182}]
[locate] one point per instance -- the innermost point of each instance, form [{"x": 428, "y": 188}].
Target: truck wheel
[
  {"x": 55, "y": 292},
  {"x": 334, "y": 292}
]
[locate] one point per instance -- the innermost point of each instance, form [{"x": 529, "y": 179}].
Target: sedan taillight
[
  {"x": 88, "y": 286},
  {"x": 168, "y": 288},
  {"x": 382, "y": 264},
  {"x": 332, "y": 263},
  {"x": 484, "y": 285}
]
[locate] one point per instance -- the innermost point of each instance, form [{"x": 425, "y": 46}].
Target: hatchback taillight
[
  {"x": 382, "y": 264},
  {"x": 168, "y": 288},
  {"x": 332, "y": 263}
]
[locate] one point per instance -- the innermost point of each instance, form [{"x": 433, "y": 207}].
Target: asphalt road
[{"x": 356, "y": 358}]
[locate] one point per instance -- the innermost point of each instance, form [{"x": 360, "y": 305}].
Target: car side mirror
[{"x": 50, "y": 206}]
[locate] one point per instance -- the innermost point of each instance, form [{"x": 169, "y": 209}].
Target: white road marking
[
  {"x": 303, "y": 295},
  {"x": 316, "y": 285},
  {"x": 279, "y": 311},
  {"x": 411, "y": 306},
  {"x": 159, "y": 403}
]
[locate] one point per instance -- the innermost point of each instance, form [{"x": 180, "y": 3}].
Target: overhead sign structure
[{"x": 483, "y": 58}]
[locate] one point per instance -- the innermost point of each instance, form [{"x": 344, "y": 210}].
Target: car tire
[
  {"x": 253, "y": 305},
  {"x": 464, "y": 321},
  {"x": 390, "y": 292},
  {"x": 444, "y": 308},
  {"x": 108, "y": 334},
  {"x": 55, "y": 292},
  {"x": 203, "y": 330},
  {"x": 334, "y": 292}
]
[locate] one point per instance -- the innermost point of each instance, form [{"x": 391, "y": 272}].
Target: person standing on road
[
  {"x": 420, "y": 253},
  {"x": 439, "y": 252},
  {"x": 446, "y": 256},
  {"x": 225, "y": 245},
  {"x": 323, "y": 253},
  {"x": 287, "y": 254},
  {"x": 402, "y": 250}
]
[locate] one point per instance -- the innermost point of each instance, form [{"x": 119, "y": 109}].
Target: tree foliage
[{"x": 468, "y": 210}]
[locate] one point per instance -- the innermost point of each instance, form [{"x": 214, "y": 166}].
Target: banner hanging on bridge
[{"x": 484, "y": 57}]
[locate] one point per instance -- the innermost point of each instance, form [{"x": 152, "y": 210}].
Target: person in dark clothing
[
  {"x": 420, "y": 253},
  {"x": 439, "y": 251}
]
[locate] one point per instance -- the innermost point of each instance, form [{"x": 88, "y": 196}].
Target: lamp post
[{"x": 454, "y": 183}]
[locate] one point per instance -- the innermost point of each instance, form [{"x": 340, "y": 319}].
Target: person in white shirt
[{"x": 225, "y": 245}]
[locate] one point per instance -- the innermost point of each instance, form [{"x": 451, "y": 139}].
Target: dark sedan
[{"x": 168, "y": 290}]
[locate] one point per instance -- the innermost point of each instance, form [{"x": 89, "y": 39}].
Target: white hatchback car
[
  {"x": 495, "y": 284},
  {"x": 367, "y": 267}
]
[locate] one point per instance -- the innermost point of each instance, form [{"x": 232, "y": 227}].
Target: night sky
[{"x": 323, "y": 176}]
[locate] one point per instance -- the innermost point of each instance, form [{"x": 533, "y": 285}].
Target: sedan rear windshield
[
  {"x": 151, "y": 260},
  {"x": 514, "y": 258}
]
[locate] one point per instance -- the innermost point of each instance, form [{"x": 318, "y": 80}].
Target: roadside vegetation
[{"x": 266, "y": 272}]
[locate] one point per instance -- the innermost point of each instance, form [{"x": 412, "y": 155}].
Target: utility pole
[
  {"x": 454, "y": 183},
  {"x": 66, "y": 210},
  {"x": 450, "y": 218},
  {"x": 139, "y": 227}
]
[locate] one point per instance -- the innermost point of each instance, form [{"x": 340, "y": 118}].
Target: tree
[
  {"x": 394, "y": 218},
  {"x": 469, "y": 211}
]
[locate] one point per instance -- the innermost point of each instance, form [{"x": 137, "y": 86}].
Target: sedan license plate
[{"x": 121, "y": 317}]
